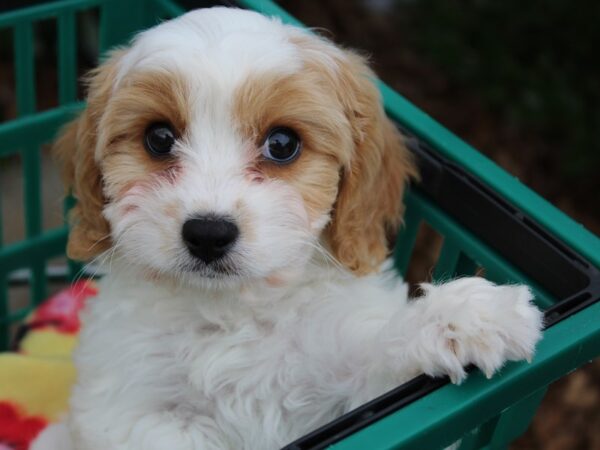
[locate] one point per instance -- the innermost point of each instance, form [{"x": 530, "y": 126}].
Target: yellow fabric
[
  {"x": 35, "y": 382},
  {"x": 40, "y": 385},
  {"x": 48, "y": 342}
]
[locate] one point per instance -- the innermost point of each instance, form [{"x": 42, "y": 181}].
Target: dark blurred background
[{"x": 516, "y": 79}]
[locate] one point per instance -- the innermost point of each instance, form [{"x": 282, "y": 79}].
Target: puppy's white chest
[{"x": 248, "y": 380}]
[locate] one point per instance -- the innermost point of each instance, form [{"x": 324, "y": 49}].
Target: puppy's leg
[{"x": 469, "y": 320}]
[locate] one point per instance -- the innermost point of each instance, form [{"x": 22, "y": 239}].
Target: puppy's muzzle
[{"x": 208, "y": 237}]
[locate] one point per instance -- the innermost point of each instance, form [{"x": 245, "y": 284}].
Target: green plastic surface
[{"x": 484, "y": 413}]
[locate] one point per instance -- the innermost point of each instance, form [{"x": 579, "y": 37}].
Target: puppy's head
[{"x": 225, "y": 145}]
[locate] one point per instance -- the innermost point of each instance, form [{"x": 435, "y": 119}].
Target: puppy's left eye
[
  {"x": 282, "y": 145},
  {"x": 159, "y": 139}
]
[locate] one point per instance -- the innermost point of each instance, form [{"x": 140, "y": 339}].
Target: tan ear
[
  {"x": 75, "y": 152},
  {"x": 369, "y": 206}
]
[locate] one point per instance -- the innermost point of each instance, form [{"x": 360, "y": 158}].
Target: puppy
[{"x": 239, "y": 179}]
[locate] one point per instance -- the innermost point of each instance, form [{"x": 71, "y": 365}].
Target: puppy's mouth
[{"x": 220, "y": 269}]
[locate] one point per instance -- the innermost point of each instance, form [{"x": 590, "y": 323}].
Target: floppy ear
[
  {"x": 369, "y": 206},
  {"x": 75, "y": 151}
]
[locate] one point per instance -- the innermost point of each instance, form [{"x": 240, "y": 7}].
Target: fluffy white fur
[
  {"x": 191, "y": 362},
  {"x": 168, "y": 368}
]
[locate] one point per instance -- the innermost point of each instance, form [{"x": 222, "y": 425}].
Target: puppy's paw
[{"x": 478, "y": 322}]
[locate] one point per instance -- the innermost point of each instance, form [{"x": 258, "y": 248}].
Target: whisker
[{"x": 81, "y": 272}]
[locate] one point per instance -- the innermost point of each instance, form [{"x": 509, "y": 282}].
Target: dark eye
[
  {"x": 159, "y": 139},
  {"x": 282, "y": 145}
]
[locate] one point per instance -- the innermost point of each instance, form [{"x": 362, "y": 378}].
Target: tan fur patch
[
  {"x": 369, "y": 206},
  {"x": 146, "y": 98},
  {"x": 336, "y": 109},
  {"x": 112, "y": 128},
  {"x": 305, "y": 104},
  {"x": 75, "y": 153}
]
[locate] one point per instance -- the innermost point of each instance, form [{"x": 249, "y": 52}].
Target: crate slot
[
  {"x": 405, "y": 241},
  {"x": 11, "y": 199},
  {"x": 8, "y": 100},
  {"x": 88, "y": 46},
  {"x": 426, "y": 252},
  {"x": 45, "y": 55},
  {"x": 445, "y": 268},
  {"x": 67, "y": 57},
  {"x": 24, "y": 68},
  {"x": 31, "y": 189},
  {"x": 52, "y": 191}
]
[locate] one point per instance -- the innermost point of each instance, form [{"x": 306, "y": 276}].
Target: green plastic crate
[{"x": 483, "y": 413}]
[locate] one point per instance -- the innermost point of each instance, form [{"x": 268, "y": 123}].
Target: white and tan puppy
[{"x": 239, "y": 179}]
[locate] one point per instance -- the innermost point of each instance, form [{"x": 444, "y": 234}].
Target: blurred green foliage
[{"x": 534, "y": 62}]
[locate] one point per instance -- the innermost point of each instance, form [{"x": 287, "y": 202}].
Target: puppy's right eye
[{"x": 159, "y": 139}]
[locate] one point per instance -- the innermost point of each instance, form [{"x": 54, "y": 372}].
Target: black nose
[{"x": 209, "y": 238}]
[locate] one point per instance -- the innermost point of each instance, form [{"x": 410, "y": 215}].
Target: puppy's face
[{"x": 226, "y": 146}]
